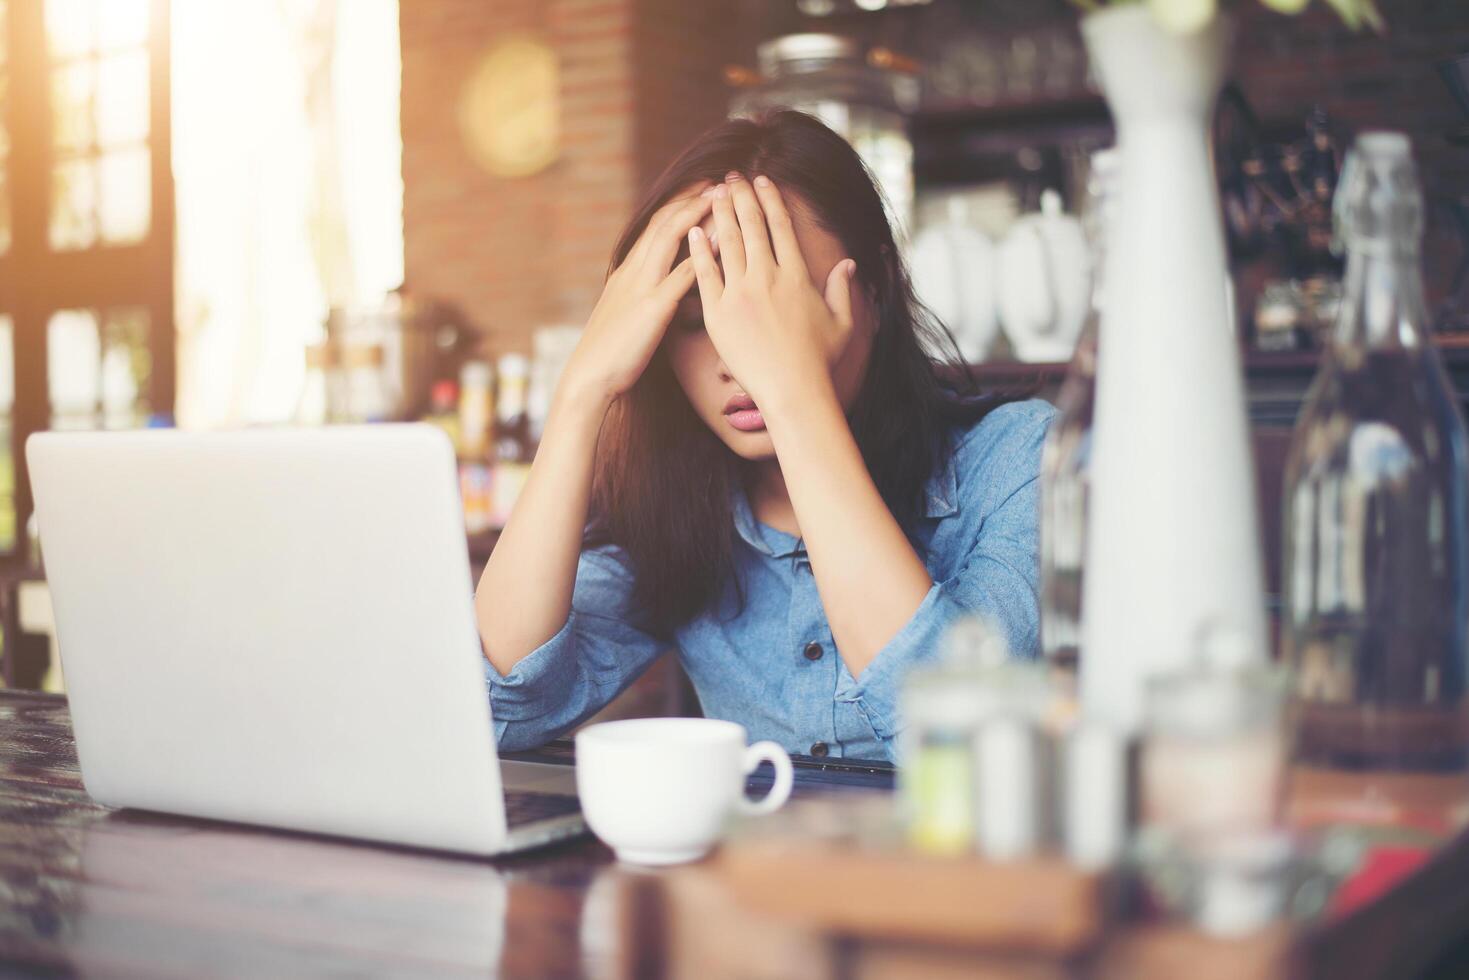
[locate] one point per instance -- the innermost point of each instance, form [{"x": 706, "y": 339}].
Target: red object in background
[{"x": 1381, "y": 870}]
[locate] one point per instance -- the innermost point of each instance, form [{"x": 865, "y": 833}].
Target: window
[
  {"x": 97, "y": 368},
  {"x": 86, "y": 226},
  {"x": 100, "y": 185}
]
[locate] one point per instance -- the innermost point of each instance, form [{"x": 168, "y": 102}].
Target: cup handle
[{"x": 785, "y": 777}]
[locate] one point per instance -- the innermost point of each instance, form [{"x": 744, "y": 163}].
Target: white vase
[{"x": 1173, "y": 539}]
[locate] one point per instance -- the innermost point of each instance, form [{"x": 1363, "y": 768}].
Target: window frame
[{"x": 36, "y": 281}]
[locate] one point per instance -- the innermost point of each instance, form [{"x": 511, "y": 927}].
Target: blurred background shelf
[{"x": 1276, "y": 382}]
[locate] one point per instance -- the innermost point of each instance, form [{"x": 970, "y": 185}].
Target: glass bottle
[
  {"x": 513, "y": 451},
  {"x": 1066, "y": 456},
  {"x": 1375, "y": 496},
  {"x": 476, "y": 419},
  {"x": 476, "y": 423}
]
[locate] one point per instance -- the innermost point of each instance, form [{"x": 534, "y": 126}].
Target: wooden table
[
  {"x": 119, "y": 893},
  {"x": 123, "y": 893}
]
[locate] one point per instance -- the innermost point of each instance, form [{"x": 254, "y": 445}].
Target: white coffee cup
[{"x": 662, "y": 790}]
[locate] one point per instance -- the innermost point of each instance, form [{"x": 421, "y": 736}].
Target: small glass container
[
  {"x": 977, "y": 748},
  {"x": 1214, "y": 750},
  {"x": 941, "y": 708}
]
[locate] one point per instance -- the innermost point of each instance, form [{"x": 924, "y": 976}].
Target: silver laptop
[{"x": 277, "y": 627}]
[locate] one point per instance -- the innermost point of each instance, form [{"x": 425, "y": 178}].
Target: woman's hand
[
  {"x": 778, "y": 336},
  {"x": 637, "y": 303}
]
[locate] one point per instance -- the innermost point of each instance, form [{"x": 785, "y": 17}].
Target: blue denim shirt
[{"x": 978, "y": 539}]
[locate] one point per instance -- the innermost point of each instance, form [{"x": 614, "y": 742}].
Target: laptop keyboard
[{"x": 523, "y": 806}]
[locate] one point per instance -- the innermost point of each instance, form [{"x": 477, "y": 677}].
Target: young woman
[{"x": 753, "y": 458}]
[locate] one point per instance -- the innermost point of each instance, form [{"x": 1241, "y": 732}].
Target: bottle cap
[
  {"x": 1384, "y": 142},
  {"x": 474, "y": 374},
  {"x": 445, "y": 393},
  {"x": 1378, "y": 201},
  {"x": 513, "y": 365}
]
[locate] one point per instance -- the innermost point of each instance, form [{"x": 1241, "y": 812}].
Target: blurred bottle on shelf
[
  {"x": 444, "y": 410},
  {"x": 474, "y": 411},
  {"x": 513, "y": 447},
  {"x": 552, "y": 348},
  {"x": 474, "y": 424},
  {"x": 1376, "y": 596},
  {"x": 474, "y": 492}
]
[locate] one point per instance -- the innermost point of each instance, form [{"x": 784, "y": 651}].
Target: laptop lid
[{"x": 273, "y": 627}]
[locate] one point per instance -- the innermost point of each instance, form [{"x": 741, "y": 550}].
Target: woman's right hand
[{"x": 638, "y": 302}]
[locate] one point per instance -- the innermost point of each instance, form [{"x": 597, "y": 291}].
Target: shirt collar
[
  {"x": 940, "y": 498},
  {"x": 763, "y": 538}
]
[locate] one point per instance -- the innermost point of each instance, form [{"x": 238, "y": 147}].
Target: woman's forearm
[
  {"x": 870, "y": 579},
  {"x": 524, "y": 594}
]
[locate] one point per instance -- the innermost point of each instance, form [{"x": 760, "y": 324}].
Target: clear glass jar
[
  {"x": 942, "y": 710},
  {"x": 1214, "y": 751},
  {"x": 831, "y": 78},
  {"x": 1376, "y": 489}
]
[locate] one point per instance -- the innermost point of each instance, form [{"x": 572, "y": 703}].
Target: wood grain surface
[{"x": 118, "y": 894}]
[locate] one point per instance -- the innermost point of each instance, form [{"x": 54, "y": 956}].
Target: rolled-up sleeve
[
  {"x": 998, "y": 580},
  {"x": 595, "y": 655}
]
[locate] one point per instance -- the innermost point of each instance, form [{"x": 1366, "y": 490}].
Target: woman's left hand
[{"x": 776, "y": 334}]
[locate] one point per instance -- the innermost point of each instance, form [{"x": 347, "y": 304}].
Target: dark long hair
[{"x": 663, "y": 484}]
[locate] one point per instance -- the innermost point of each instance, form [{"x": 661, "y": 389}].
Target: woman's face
[{"x": 708, "y": 383}]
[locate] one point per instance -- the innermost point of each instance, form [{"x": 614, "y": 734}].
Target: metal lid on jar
[
  {"x": 805, "y": 52},
  {"x": 1229, "y": 686},
  {"x": 1211, "y": 703}
]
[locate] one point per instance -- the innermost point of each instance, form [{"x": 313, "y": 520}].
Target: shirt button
[
  {"x": 820, "y": 750},
  {"x": 813, "y": 651}
]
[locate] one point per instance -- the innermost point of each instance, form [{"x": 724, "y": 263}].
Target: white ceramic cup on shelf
[{"x": 662, "y": 790}]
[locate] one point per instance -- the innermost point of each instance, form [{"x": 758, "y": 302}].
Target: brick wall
[{"x": 639, "y": 78}]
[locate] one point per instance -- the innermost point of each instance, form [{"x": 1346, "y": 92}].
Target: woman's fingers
[
  {"x": 662, "y": 249},
  {"x": 753, "y": 236},
  {"x": 731, "y": 247},
  {"x": 706, "y": 271},
  {"x": 782, "y": 232},
  {"x": 672, "y": 289},
  {"x": 655, "y": 230},
  {"x": 839, "y": 291}
]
